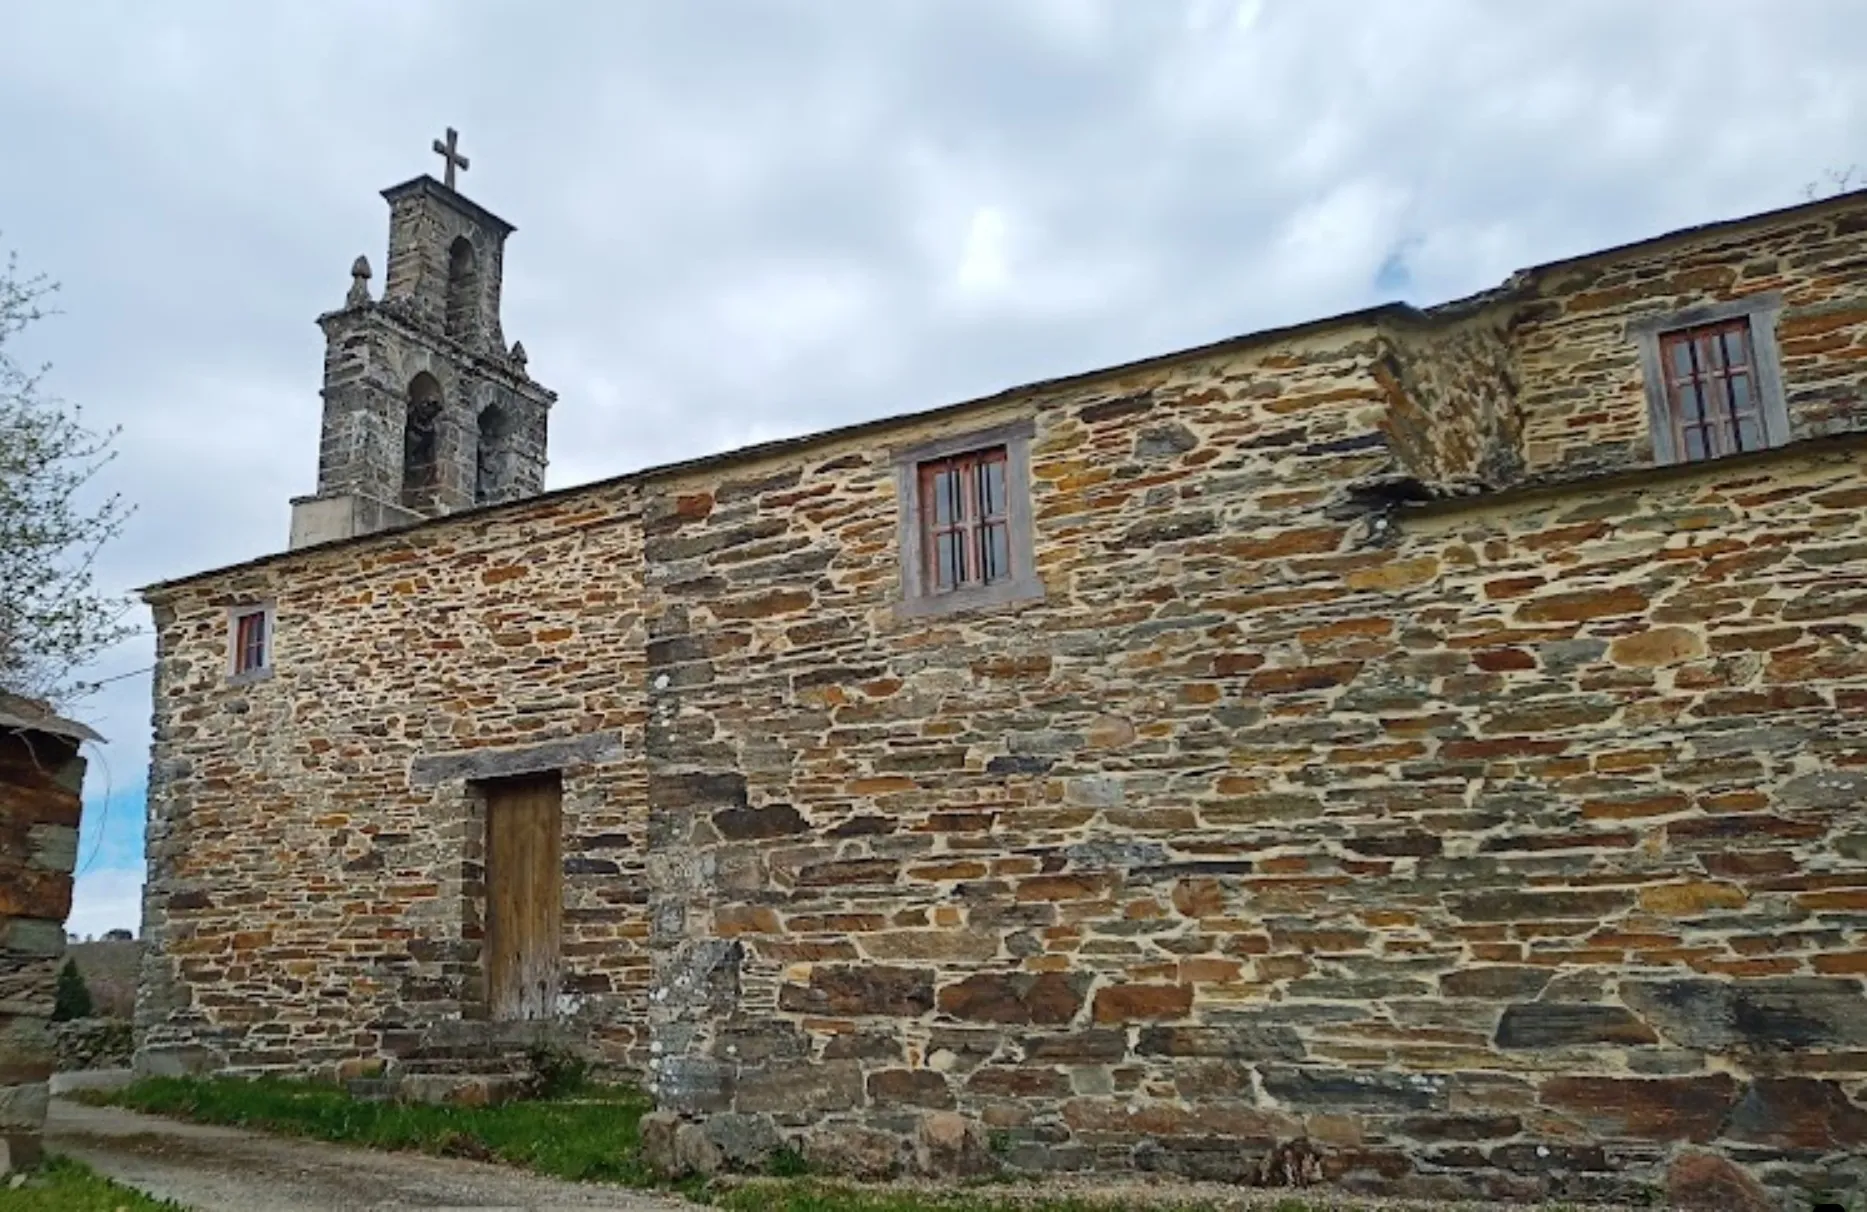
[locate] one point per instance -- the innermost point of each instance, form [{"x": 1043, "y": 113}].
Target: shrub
[{"x": 73, "y": 997}]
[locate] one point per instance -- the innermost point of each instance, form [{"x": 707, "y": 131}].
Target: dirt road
[{"x": 215, "y": 1169}]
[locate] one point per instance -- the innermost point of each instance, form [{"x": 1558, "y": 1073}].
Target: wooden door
[{"x": 524, "y": 896}]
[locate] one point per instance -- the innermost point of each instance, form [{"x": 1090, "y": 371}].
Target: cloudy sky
[{"x": 740, "y": 220}]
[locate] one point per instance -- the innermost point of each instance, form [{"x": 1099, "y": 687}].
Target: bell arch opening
[
  {"x": 463, "y": 288},
  {"x": 490, "y": 480},
  {"x": 421, "y": 463}
]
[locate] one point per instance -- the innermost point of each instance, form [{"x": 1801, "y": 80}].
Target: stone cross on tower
[{"x": 448, "y": 152}]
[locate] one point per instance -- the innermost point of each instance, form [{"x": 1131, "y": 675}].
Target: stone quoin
[{"x": 1346, "y": 753}]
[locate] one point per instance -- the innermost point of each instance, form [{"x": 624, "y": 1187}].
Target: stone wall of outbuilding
[{"x": 41, "y": 800}]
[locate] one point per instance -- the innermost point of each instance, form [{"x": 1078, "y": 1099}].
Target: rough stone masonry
[
  {"x": 41, "y": 800},
  {"x": 1393, "y": 773}
]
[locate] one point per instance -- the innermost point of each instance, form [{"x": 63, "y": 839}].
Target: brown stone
[
  {"x": 1657, "y": 647},
  {"x": 1705, "y": 1182},
  {"x": 909, "y": 1087},
  {"x": 1668, "y": 1109},
  {"x": 1582, "y": 605},
  {"x": 1395, "y": 576},
  {"x": 1126, "y": 1003},
  {"x": 872, "y": 989},
  {"x": 1691, "y": 898},
  {"x": 1799, "y": 1113},
  {"x": 1299, "y": 678},
  {"x": 1037, "y": 999}
]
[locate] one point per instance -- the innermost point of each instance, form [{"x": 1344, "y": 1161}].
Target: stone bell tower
[{"x": 427, "y": 411}]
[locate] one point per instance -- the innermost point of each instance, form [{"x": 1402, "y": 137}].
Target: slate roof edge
[{"x": 21, "y": 714}]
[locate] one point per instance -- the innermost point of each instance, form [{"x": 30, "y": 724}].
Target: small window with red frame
[
  {"x": 1712, "y": 399},
  {"x": 965, "y": 511},
  {"x": 252, "y": 641}
]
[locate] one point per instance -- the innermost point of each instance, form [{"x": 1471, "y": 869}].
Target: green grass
[
  {"x": 64, "y": 1185},
  {"x": 592, "y": 1136}
]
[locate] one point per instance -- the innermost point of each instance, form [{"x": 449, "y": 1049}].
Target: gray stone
[
  {"x": 656, "y": 1133},
  {"x": 853, "y": 1152},
  {"x": 52, "y": 847},
  {"x": 31, "y": 936},
  {"x": 1352, "y": 1089},
  {"x": 23, "y": 1106},
  {"x": 695, "y": 1152},
  {"x": 1104, "y": 854},
  {"x": 1825, "y": 789},
  {"x": 1093, "y": 791},
  {"x": 1784, "y": 1015},
  {"x": 430, "y": 770},
  {"x": 745, "y": 1141},
  {"x": 1566, "y": 1024},
  {"x": 800, "y": 1090},
  {"x": 1164, "y": 441}
]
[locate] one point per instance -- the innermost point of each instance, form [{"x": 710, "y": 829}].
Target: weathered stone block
[
  {"x": 744, "y": 1141},
  {"x": 1668, "y": 1109},
  {"x": 854, "y": 1152},
  {"x": 1561, "y": 1025},
  {"x": 1798, "y": 1113},
  {"x": 794, "y": 1090},
  {"x": 871, "y": 989},
  {"x": 1035, "y": 999},
  {"x": 950, "y": 1145},
  {"x": 910, "y": 1088},
  {"x": 1759, "y": 1015},
  {"x": 1705, "y": 1182},
  {"x": 1363, "y": 1090},
  {"x": 1127, "y": 1003}
]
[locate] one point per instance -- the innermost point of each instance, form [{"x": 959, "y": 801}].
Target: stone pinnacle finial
[
  {"x": 518, "y": 354},
  {"x": 359, "y": 283}
]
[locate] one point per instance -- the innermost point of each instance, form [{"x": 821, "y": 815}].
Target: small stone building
[
  {"x": 1421, "y": 750},
  {"x": 41, "y": 800}
]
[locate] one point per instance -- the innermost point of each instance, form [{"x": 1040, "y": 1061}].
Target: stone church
[{"x": 1419, "y": 750}]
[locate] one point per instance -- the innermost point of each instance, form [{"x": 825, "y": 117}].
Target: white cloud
[{"x": 110, "y": 898}]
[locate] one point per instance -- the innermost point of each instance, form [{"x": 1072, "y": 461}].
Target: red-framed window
[
  {"x": 251, "y": 641},
  {"x": 965, "y": 510},
  {"x": 1712, "y": 399}
]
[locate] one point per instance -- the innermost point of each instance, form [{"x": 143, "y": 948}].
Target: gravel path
[{"x": 214, "y": 1169}]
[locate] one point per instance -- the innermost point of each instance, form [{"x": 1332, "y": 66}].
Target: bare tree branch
[{"x": 53, "y": 619}]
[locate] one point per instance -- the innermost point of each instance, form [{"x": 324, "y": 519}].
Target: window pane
[
  {"x": 1709, "y": 358},
  {"x": 1749, "y": 433},
  {"x": 997, "y": 553},
  {"x": 946, "y": 490},
  {"x": 1691, "y": 403},
  {"x": 1739, "y": 387},
  {"x": 1695, "y": 443},
  {"x": 1681, "y": 358},
  {"x": 1736, "y": 347},
  {"x": 947, "y": 560},
  {"x": 992, "y": 489}
]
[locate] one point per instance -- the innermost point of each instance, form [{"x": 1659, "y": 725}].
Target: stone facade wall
[
  {"x": 41, "y": 800},
  {"x": 311, "y": 899},
  {"x": 1505, "y": 844},
  {"x": 1583, "y": 404}
]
